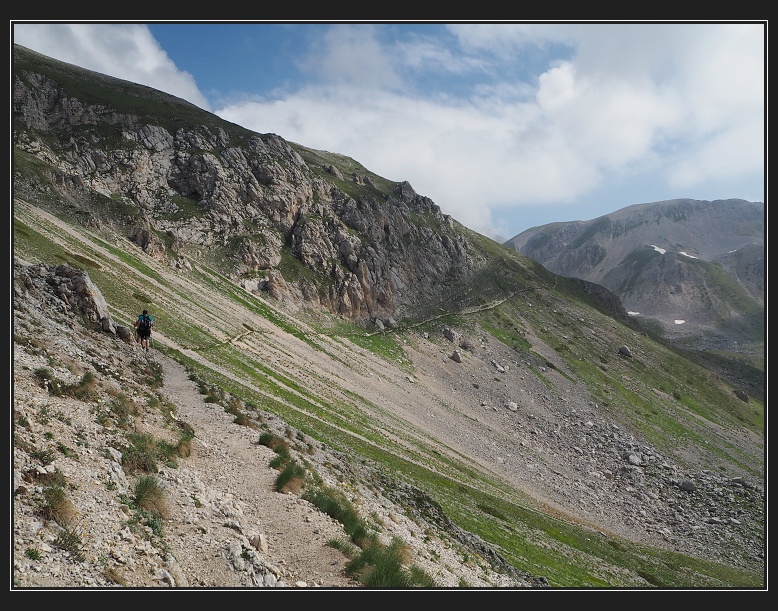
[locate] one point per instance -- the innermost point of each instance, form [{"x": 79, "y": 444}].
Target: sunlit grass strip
[
  {"x": 256, "y": 306},
  {"x": 41, "y": 239},
  {"x": 218, "y": 283},
  {"x": 385, "y": 345},
  {"x": 355, "y": 410},
  {"x": 36, "y": 248},
  {"x": 306, "y": 413},
  {"x": 260, "y": 375}
]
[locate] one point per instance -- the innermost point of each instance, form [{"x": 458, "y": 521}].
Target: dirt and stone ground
[{"x": 228, "y": 528}]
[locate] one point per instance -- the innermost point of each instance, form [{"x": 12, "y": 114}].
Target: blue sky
[{"x": 505, "y": 126}]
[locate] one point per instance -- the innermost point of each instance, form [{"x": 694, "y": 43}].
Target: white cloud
[
  {"x": 126, "y": 51},
  {"x": 733, "y": 153},
  {"x": 351, "y": 55}
]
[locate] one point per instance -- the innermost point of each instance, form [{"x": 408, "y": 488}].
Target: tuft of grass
[
  {"x": 184, "y": 446},
  {"x": 49, "y": 381},
  {"x": 272, "y": 441},
  {"x": 66, "y": 450},
  {"x": 291, "y": 479},
  {"x": 112, "y": 575},
  {"x": 233, "y": 407},
  {"x": 145, "y": 452},
  {"x": 57, "y": 506},
  {"x": 348, "y": 548},
  {"x": 45, "y": 456},
  {"x": 149, "y": 494},
  {"x": 84, "y": 390},
  {"x": 382, "y": 566},
  {"x": 280, "y": 447},
  {"x": 141, "y": 454},
  {"x": 71, "y": 539},
  {"x": 376, "y": 565},
  {"x": 338, "y": 507}
]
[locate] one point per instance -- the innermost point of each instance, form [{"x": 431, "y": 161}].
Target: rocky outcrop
[
  {"x": 74, "y": 292},
  {"x": 604, "y": 298},
  {"x": 204, "y": 189}
]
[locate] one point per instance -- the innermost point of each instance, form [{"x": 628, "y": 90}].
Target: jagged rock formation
[{"x": 195, "y": 186}]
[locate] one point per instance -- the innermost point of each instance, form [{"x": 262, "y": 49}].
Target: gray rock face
[
  {"x": 204, "y": 187},
  {"x": 76, "y": 292}
]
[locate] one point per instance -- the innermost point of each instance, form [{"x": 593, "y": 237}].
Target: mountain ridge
[{"x": 695, "y": 267}]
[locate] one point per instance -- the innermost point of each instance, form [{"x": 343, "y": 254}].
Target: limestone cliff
[{"x": 184, "y": 185}]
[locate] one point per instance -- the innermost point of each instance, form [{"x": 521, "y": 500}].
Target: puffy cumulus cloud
[
  {"x": 126, "y": 51},
  {"x": 612, "y": 122},
  {"x": 687, "y": 99}
]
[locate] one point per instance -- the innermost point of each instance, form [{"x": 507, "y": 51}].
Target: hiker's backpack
[{"x": 144, "y": 324}]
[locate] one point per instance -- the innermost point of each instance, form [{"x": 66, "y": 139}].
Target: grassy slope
[{"x": 567, "y": 555}]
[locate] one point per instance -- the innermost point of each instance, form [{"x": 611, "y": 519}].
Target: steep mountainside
[
  {"x": 302, "y": 225},
  {"x": 489, "y": 422},
  {"x": 696, "y": 267}
]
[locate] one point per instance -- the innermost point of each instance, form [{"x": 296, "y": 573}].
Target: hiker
[{"x": 143, "y": 329}]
